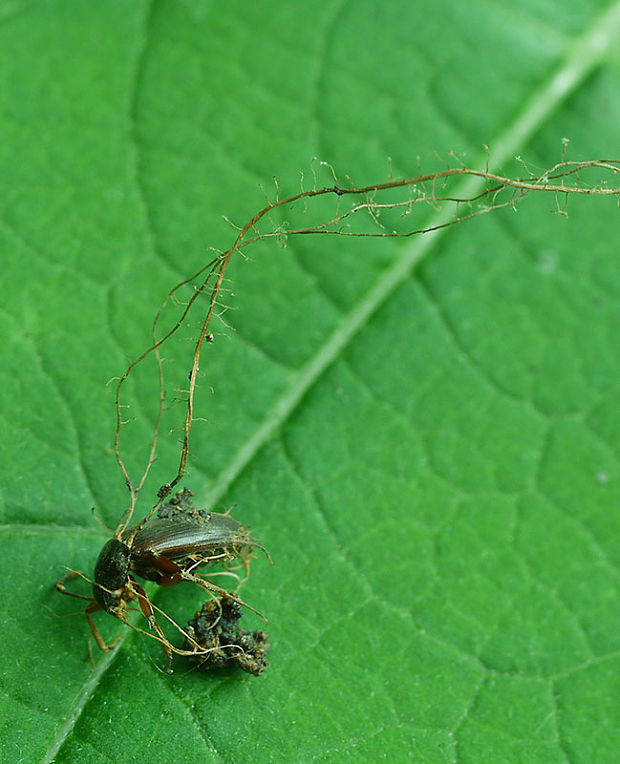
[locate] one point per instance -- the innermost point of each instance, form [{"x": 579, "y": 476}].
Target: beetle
[{"x": 166, "y": 547}]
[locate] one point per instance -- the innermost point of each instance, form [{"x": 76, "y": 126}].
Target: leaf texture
[{"x": 423, "y": 433}]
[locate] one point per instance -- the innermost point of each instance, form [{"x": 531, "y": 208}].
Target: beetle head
[{"x": 111, "y": 573}]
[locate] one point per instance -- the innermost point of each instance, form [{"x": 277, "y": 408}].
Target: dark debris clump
[
  {"x": 181, "y": 504},
  {"x": 216, "y": 628}
]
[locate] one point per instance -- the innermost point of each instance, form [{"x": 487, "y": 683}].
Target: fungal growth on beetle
[{"x": 177, "y": 542}]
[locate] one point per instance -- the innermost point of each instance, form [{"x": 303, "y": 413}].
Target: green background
[{"x": 439, "y": 493}]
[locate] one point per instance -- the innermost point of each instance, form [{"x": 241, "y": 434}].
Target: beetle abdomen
[
  {"x": 182, "y": 537},
  {"x": 176, "y": 537},
  {"x": 187, "y": 540}
]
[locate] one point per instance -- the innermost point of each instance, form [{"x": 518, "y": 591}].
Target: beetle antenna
[{"x": 64, "y": 615}]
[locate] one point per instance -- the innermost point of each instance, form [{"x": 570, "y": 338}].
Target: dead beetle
[{"x": 166, "y": 547}]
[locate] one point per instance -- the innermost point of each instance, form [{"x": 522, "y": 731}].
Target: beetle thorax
[{"x": 111, "y": 574}]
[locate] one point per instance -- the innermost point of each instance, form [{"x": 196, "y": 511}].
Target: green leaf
[{"x": 424, "y": 434}]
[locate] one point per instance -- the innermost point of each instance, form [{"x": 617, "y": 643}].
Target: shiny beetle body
[{"x": 172, "y": 542}]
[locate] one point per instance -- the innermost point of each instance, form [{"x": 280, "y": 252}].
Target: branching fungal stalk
[{"x": 432, "y": 189}]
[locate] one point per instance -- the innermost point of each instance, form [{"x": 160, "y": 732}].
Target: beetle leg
[
  {"x": 147, "y": 609},
  {"x": 92, "y": 608},
  {"x": 209, "y": 586},
  {"x": 63, "y": 590},
  {"x": 101, "y": 644}
]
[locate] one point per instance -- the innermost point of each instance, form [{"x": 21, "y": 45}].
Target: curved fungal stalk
[{"x": 438, "y": 189}]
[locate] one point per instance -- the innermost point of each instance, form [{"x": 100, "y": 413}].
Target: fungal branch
[{"x": 375, "y": 202}]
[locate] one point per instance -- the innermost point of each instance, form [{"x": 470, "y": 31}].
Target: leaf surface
[{"x": 423, "y": 433}]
